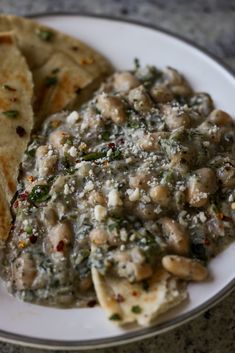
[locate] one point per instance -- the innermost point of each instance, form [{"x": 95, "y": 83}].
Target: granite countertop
[{"x": 210, "y": 23}]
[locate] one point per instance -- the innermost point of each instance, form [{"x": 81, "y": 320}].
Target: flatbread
[
  {"x": 16, "y": 121},
  {"x": 65, "y": 70},
  {"x": 126, "y": 303}
]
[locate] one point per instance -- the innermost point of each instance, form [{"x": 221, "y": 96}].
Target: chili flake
[
  {"x": 20, "y": 131},
  {"x": 30, "y": 178},
  {"x": 21, "y": 244},
  {"x": 23, "y": 196},
  {"x": 119, "y": 298},
  {"x": 33, "y": 239},
  {"x": 60, "y": 246}
]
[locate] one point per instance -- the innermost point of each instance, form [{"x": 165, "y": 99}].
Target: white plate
[{"x": 121, "y": 42}]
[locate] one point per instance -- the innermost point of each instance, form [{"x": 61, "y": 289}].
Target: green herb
[
  {"x": 55, "y": 71},
  {"x": 97, "y": 111},
  {"x": 115, "y": 155},
  {"x": 44, "y": 34},
  {"x": 116, "y": 224},
  {"x": 169, "y": 177},
  {"x": 93, "y": 156},
  {"x": 11, "y": 113},
  {"x": 9, "y": 88},
  {"x": 136, "y": 309},
  {"x": 134, "y": 124},
  {"x": 145, "y": 285},
  {"x": 67, "y": 166},
  {"x": 51, "y": 81},
  {"x": 115, "y": 317},
  {"x": 136, "y": 63},
  {"x": 105, "y": 135},
  {"x": 28, "y": 230},
  {"x": 39, "y": 193},
  {"x": 31, "y": 152}
]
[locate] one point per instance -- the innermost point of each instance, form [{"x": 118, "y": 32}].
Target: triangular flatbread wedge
[
  {"x": 65, "y": 70},
  {"x": 125, "y": 302},
  {"x": 16, "y": 121}
]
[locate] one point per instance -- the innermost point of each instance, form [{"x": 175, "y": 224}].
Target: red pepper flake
[
  {"x": 135, "y": 294},
  {"x": 30, "y": 178},
  {"x": 220, "y": 215},
  {"x": 206, "y": 242},
  {"x": 23, "y": 196},
  {"x": 13, "y": 99},
  {"x": 121, "y": 141},
  {"x": 33, "y": 239},
  {"x": 20, "y": 131},
  {"x": 112, "y": 146},
  {"x": 16, "y": 204},
  {"x": 119, "y": 298},
  {"x": 92, "y": 303},
  {"x": 60, "y": 246}
]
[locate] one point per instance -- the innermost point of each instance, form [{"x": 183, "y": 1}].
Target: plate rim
[{"x": 147, "y": 332}]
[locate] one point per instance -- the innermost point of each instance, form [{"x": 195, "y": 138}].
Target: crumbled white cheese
[
  {"x": 123, "y": 234},
  {"x": 72, "y": 117},
  {"x": 100, "y": 212},
  {"x": 122, "y": 247},
  {"x": 89, "y": 186},
  {"x": 114, "y": 198},
  {"x": 109, "y": 152},
  {"x": 134, "y": 195},
  {"x": 230, "y": 198},
  {"x": 202, "y": 217},
  {"x": 66, "y": 189},
  {"x": 50, "y": 153},
  {"x": 132, "y": 237},
  {"x": 72, "y": 151}
]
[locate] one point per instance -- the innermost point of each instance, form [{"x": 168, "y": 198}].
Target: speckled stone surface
[{"x": 210, "y": 23}]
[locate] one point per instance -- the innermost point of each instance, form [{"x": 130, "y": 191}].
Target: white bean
[
  {"x": 220, "y": 118},
  {"x": 185, "y": 268},
  {"x": 111, "y": 108},
  {"x": 176, "y": 236},
  {"x": 60, "y": 237},
  {"x": 160, "y": 194},
  {"x": 140, "y": 100},
  {"x": 150, "y": 142},
  {"x": 200, "y": 186},
  {"x": 124, "y": 81},
  {"x": 24, "y": 272}
]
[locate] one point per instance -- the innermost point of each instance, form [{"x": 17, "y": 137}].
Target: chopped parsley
[
  {"x": 51, "y": 81},
  {"x": 105, "y": 135},
  {"x": 136, "y": 309},
  {"x": 115, "y": 317},
  {"x": 44, "y": 34},
  {"x": 93, "y": 156},
  {"x": 12, "y": 114},
  {"x": 39, "y": 193}
]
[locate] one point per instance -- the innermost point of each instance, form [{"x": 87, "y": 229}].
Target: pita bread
[
  {"x": 65, "y": 70},
  {"x": 125, "y": 302},
  {"x": 16, "y": 121}
]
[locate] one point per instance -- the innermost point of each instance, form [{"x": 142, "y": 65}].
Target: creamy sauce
[{"x": 145, "y": 169}]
